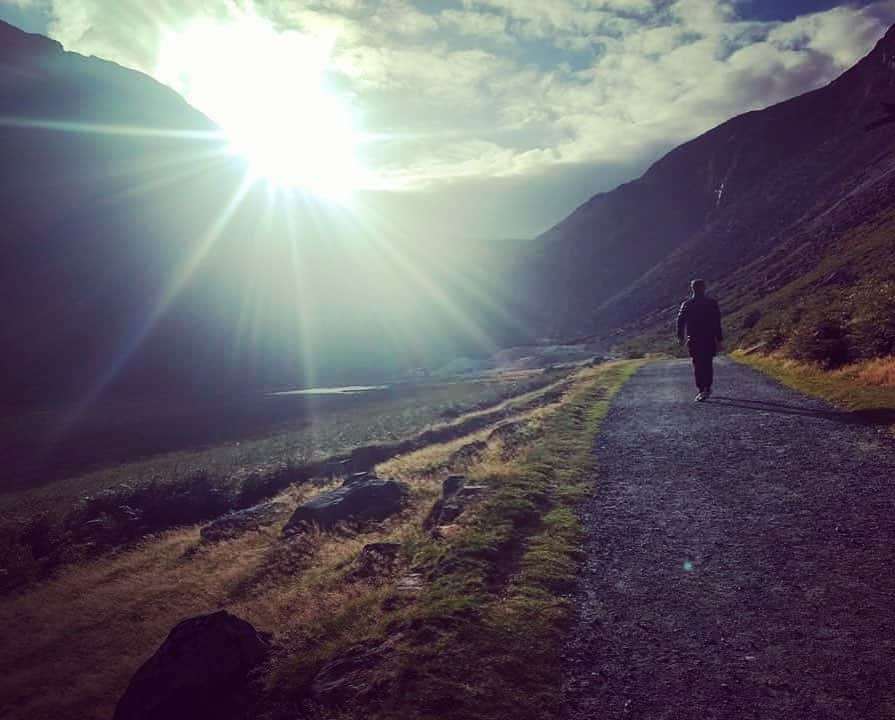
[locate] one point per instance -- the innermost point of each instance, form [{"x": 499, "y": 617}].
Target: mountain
[
  {"x": 136, "y": 261},
  {"x": 752, "y": 205}
]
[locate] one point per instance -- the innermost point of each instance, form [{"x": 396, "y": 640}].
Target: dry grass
[
  {"x": 81, "y": 634},
  {"x": 864, "y": 386},
  {"x": 311, "y": 439},
  {"x": 874, "y": 372}
]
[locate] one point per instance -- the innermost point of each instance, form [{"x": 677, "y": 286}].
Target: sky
[{"x": 483, "y": 119}]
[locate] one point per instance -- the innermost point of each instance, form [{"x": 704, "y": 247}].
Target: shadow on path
[{"x": 875, "y": 416}]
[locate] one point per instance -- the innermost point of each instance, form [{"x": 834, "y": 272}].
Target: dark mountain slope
[
  {"x": 95, "y": 165},
  {"x": 129, "y": 267},
  {"x": 725, "y": 200}
]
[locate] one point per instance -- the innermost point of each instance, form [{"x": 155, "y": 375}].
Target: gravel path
[{"x": 739, "y": 557}]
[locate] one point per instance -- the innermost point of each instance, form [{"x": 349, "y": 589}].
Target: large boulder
[
  {"x": 363, "y": 499},
  {"x": 240, "y": 521},
  {"x": 200, "y": 671}
]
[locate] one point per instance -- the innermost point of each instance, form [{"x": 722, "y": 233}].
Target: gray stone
[
  {"x": 450, "y": 511},
  {"x": 350, "y": 678},
  {"x": 467, "y": 492},
  {"x": 357, "y": 477},
  {"x": 200, "y": 671},
  {"x": 377, "y": 559},
  {"x": 235, "y": 523},
  {"x": 371, "y": 499},
  {"x": 452, "y": 484}
]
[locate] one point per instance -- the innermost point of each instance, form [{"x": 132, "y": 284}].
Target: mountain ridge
[{"x": 628, "y": 253}]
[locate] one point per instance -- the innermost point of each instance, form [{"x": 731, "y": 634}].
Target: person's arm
[{"x": 682, "y": 320}]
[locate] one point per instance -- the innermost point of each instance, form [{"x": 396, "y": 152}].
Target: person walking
[{"x": 699, "y": 325}]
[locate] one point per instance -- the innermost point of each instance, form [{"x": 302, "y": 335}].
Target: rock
[
  {"x": 456, "y": 495},
  {"x": 450, "y": 511},
  {"x": 452, "y": 484},
  {"x": 350, "y": 678},
  {"x": 357, "y": 477},
  {"x": 377, "y": 559},
  {"x": 446, "y": 532},
  {"x": 200, "y": 671},
  {"x": 412, "y": 583},
  {"x": 235, "y": 523},
  {"x": 370, "y": 499},
  {"x": 467, "y": 492},
  {"x": 434, "y": 515}
]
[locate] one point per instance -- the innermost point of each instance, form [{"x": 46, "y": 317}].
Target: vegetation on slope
[
  {"x": 866, "y": 387},
  {"x": 458, "y": 612},
  {"x": 484, "y": 636},
  {"x": 45, "y": 525},
  {"x": 835, "y": 310}
]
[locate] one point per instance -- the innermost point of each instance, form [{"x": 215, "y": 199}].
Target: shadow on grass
[{"x": 873, "y": 416}]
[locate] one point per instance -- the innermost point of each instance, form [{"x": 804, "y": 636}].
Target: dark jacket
[{"x": 700, "y": 317}]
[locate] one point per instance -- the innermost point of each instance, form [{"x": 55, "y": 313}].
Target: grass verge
[
  {"x": 483, "y": 638},
  {"x": 863, "y": 386}
]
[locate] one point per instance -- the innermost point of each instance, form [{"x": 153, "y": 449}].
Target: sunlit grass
[
  {"x": 90, "y": 626},
  {"x": 868, "y": 385}
]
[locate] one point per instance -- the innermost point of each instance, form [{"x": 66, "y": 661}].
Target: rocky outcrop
[
  {"x": 359, "y": 499},
  {"x": 455, "y": 497},
  {"x": 240, "y": 521},
  {"x": 201, "y": 670}
]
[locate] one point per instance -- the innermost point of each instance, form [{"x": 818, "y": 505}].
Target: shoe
[
  {"x": 706, "y": 394},
  {"x": 700, "y": 397}
]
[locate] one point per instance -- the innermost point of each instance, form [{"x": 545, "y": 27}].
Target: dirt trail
[{"x": 739, "y": 557}]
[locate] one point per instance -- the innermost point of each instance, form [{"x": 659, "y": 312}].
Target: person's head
[{"x": 697, "y": 287}]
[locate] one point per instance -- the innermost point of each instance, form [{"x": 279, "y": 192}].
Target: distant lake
[{"x": 347, "y": 390}]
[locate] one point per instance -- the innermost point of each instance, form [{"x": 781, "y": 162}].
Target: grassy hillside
[
  {"x": 865, "y": 388},
  {"x": 465, "y": 621},
  {"x": 825, "y": 298},
  {"x": 42, "y": 521},
  {"x": 754, "y": 205}
]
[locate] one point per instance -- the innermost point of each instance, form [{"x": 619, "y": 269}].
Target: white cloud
[{"x": 511, "y": 87}]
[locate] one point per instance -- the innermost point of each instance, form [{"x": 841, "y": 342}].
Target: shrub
[
  {"x": 872, "y": 328},
  {"x": 822, "y": 341}
]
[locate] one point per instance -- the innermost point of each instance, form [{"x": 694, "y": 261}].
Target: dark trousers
[{"x": 703, "y": 370}]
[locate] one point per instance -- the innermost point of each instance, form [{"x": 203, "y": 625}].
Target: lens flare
[{"x": 268, "y": 91}]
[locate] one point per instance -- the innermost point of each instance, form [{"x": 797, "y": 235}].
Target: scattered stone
[
  {"x": 349, "y": 678},
  {"x": 467, "y": 492},
  {"x": 456, "y": 495},
  {"x": 452, "y": 484},
  {"x": 357, "y": 477},
  {"x": 412, "y": 583},
  {"x": 240, "y": 521},
  {"x": 446, "y": 532},
  {"x": 377, "y": 559},
  {"x": 450, "y": 511},
  {"x": 370, "y": 499},
  {"x": 200, "y": 671},
  {"x": 433, "y": 517}
]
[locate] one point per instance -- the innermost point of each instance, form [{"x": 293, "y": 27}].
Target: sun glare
[{"x": 267, "y": 90}]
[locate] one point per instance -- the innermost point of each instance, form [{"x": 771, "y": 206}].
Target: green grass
[
  {"x": 191, "y": 486},
  {"x": 483, "y": 641},
  {"x": 480, "y": 639},
  {"x": 780, "y": 301},
  {"x": 846, "y": 388},
  {"x": 329, "y": 433}
]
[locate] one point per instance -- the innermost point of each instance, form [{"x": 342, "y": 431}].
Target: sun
[{"x": 267, "y": 91}]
